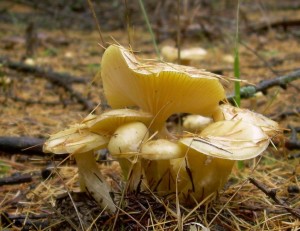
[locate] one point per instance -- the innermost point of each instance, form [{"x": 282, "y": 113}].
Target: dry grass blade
[
  {"x": 74, "y": 205},
  {"x": 136, "y": 221}
]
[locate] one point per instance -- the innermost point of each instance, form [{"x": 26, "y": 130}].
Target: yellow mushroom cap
[
  {"x": 233, "y": 140},
  {"x": 77, "y": 139},
  {"x": 157, "y": 87},
  {"x": 109, "y": 121},
  {"x": 161, "y": 149},
  {"x": 128, "y": 138},
  {"x": 229, "y": 112}
]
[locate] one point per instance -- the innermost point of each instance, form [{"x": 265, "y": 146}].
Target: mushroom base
[{"x": 193, "y": 177}]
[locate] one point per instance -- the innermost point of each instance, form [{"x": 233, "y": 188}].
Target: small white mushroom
[
  {"x": 187, "y": 55},
  {"x": 196, "y": 123}
]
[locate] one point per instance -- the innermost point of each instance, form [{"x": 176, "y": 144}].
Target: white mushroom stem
[{"x": 92, "y": 181}]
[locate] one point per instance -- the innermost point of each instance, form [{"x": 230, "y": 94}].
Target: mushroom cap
[
  {"x": 229, "y": 112},
  {"x": 109, "y": 121},
  {"x": 128, "y": 138},
  {"x": 157, "y": 87},
  {"x": 233, "y": 140},
  {"x": 161, "y": 149},
  {"x": 196, "y": 123},
  {"x": 186, "y": 55},
  {"x": 77, "y": 139}
]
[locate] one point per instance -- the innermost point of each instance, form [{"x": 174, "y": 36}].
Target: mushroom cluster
[{"x": 190, "y": 165}]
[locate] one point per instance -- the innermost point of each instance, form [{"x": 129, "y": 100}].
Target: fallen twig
[
  {"x": 272, "y": 194},
  {"x": 285, "y": 114},
  {"x": 28, "y": 145},
  {"x": 263, "y": 86},
  {"x": 28, "y": 101},
  {"x": 284, "y": 23},
  {"x": 27, "y": 222},
  {"x": 17, "y": 179},
  {"x": 60, "y": 79},
  {"x": 293, "y": 142},
  {"x": 41, "y": 72}
]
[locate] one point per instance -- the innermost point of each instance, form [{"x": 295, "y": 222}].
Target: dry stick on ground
[
  {"x": 31, "y": 221},
  {"x": 293, "y": 142},
  {"x": 263, "y": 86},
  {"x": 28, "y": 145},
  {"x": 272, "y": 194},
  {"x": 284, "y": 114},
  {"x": 28, "y": 101},
  {"x": 284, "y": 23},
  {"x": 60, "y": 79},
  {"x": 17, "y": 179}
]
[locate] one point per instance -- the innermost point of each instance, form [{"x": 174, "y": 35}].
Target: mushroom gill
[{"x": 159, "y": 88}]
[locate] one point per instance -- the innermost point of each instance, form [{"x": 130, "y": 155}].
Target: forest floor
[{"x": 32, "y": 104}]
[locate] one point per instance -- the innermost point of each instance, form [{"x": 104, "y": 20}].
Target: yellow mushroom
[
  {"x": 210, "y": 156},
  {"x": 79, "y": 141},
  {"x": 187, "y": 55},
  {"x": 94, "y": 133},
  {"x": 159, "y": 88},
  {"x": 200, "y": 163},
  {"x": 193, "y": 164}
]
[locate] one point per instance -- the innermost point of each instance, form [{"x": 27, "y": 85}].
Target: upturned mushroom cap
[
  {"x": 157, "y": 87},
  {"x": 233, "y": 140},
  {"x": 229, "y": 112}
]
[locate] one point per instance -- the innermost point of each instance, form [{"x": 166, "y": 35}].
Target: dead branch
[
  {"x": 41, "y": 72},
  {"x": 293, "y": 142},
  {"x": 60, "y": 79},
  {"x": 272, "y": 194},
  {"x": 27, "y": 145},
  {"x": 282, "y": 115},
  {"x": 263, "y": 86},
  {"x": 282, "y": 23},
  {"x": 29, "y": 102},
  {"x": 27, "y": 222},
  {"x": 17, "y": 179}
]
